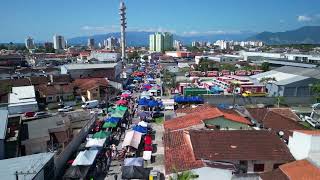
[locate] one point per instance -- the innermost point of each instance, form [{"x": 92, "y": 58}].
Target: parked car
[{"x": 65, "y": 109}]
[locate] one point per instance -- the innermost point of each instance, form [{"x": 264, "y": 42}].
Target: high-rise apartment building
[
  {"x": 112, "y": 43},
  {"x": 29, "y": 43},
  {"x": 91, "y": 43},
  {"x": 160, "y": 42},
  {"x": 58, "y": 42}
]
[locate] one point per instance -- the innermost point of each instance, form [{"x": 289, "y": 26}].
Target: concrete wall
[
  {"x": 216, "y": 100},
  {"x": 63, "y": 157}
]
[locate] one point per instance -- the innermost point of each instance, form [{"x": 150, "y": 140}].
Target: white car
[{"x": 65, "y": 109}]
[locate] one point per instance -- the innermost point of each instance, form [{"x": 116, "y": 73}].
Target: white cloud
[
  {"x": 212, "y": 32},
  {"x": 112, "y": 28},
  {"x": 116, "y": 28},
  {"x": 304, "y": 18}
]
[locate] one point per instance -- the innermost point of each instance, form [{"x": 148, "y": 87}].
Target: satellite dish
[{"x": 281, "y": 133}]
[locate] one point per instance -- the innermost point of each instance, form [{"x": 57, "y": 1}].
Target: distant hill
[
  {"x": 142, "y": 38},
  {"x": 303, "y": 35}
]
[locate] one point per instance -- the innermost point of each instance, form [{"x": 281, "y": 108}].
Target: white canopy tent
[
  {"x": 132, "y": 139},
  {"x": 85, "y": 158},
  {"x": 95, "y": 142},
  {"x": 133, "y": 161}
]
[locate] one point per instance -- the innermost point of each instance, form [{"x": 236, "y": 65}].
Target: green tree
[
  {"x": 316, "y": 91},
  {"x": 185, "y": 175},
  {"x": 265, "y": 66},
  {"x": 145, "y": 57},
  {"x": 266, "y": 80}
]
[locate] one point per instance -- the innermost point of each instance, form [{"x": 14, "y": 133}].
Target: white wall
[
  {"x": 299, "y": 145},
  {"x": 206, "y": 173}
]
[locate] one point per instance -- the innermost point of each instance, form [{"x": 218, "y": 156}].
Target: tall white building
[
  {"x": 91, "y": 43},
  {"x": 112, "y": 43},
  {"x": 177, "y": 44},
  {"x": 58, "y": 42},
  {"x": 29, "y": 43}
]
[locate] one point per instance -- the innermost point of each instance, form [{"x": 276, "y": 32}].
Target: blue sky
[{"x": 41, "y": 19}]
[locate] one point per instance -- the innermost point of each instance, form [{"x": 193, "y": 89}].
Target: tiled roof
[
  {"x": 277, "y": 119},
  {"x": 309, "y": 132},
  {"x": 236, "y": 118},
  {"x": 86, "y": 84},
  {"x": 192, "y": 119},
  {"x": 46, "y": 90},
  {"x": 178, "y": 152},
  {"x": 299, "y": 170},
  {"x": 196, "y": 116},
  {"x": 238, "y": 145}
]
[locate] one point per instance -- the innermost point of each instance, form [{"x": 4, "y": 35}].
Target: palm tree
[
  {"x": 185, "y": 175},
  {"x": 267, "y": 80},
  {"x": 234, "y": 85}
]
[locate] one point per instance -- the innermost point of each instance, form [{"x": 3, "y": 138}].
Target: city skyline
[{"x": 76, "y": 18}]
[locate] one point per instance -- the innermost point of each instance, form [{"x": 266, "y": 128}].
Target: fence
[
  {"x": 292, "y": 101},
  {"x": 61, "y": 159}
]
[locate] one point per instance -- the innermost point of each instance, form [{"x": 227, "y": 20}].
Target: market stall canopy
[
  {"x": 143, "y": 114},
  {"x": 143, "y": 124},
  {"x": 95, "y": 142},
  {"x": 85, "y": 158},
  {"x": 109, "y": 125},
  {"x": 121, "y": 108},
  {"x": 113, "y": 119},
  {"x": 133, "y": 161},
  {"x": 101, "y": 135},
  {"x": 140, "y": 129},
  {"x": 143, "y": 102},
  {"x": 125, "y": 95},
  {"x": 122, "y": 102},
  {"x": 118, "y": 114},
  {"x": 135, "y": 172},
  {"x": 132, "y": 138}
]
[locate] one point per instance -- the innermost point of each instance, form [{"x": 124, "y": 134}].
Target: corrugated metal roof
[
  {"x": 32, "y": 164},
  {"x": 3, "y": 123},
  {"x": 89, "y": 66},
  {"x": 307, "y": 72}
]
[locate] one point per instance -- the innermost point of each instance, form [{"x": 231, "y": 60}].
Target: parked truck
[{"x": 90, "y": 104}]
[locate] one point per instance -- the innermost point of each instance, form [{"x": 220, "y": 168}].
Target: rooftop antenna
[{"x": 123, "y": 26}]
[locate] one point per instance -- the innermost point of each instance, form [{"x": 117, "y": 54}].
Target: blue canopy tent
[
  {"x": 152, "y": 103},
  {"x": 143, "y": 102},
  {"x": 140, "y": 129},
  {"x": 112, "y": 120}
]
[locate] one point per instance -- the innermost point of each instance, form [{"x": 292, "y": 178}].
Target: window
[
  {"x": 50, "y": 98},
  {"x": 258, "y": 168},
  {"x": 275, "y": 166}
]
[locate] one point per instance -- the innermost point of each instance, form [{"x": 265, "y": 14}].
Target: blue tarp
[
  {"x": 216, "y": 90},
  {"x": 189, "y": 99},
  {"x": 112, "y": 120},
  {"x": 140, "y": 129}
]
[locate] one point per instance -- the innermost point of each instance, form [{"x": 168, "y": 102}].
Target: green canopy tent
[
  {"x": 118, "y": 114},
  {"x": 109, "y": 125},
  {"x": 121, "y": 108},
  {"x": 101, "y": 135},
  {"x": 110, "y": 109}
]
